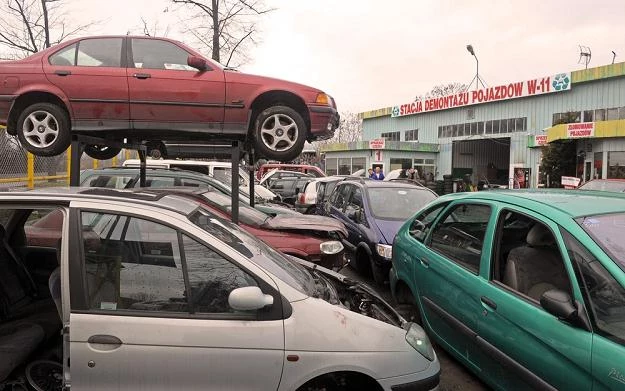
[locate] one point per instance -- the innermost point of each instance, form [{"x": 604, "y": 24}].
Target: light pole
[{"x": 477, "y": 77}]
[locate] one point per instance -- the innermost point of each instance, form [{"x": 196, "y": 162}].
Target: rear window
[{"x": 608, "y": 232}]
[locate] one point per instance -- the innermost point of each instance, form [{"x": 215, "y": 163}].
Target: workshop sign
[
  {"x": 581, "y": 130},
  {"x": 521, "y": 89},
  {"x": 377, "y": 143}
]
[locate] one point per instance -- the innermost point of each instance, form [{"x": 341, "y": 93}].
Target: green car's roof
[{"x": 574, "y": 203}]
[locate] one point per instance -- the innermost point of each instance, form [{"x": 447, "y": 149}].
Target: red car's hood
[
  {"x": 248, "y": 78},
  {"x": 305, "y": 223}
]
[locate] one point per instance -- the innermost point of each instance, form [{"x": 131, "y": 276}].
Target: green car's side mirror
[{"x": 560, "y": 304}]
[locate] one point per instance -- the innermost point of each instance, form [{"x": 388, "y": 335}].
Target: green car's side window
[
  {"x": 423, "y": 222},
  {"x": 604, "y": 296},
  {"x": 526, "y": 258},
  {"x": 459, "y": 234}
]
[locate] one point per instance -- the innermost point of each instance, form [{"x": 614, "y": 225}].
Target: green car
[{"x": 525, "y": 288}]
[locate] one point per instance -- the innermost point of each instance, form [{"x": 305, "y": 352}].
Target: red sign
[
  {"x": 377, "y": 143},
  {"x": 581, "y": 130},
  {"x": 540, "y": 140},
  {"x": 544, "y": 85}
]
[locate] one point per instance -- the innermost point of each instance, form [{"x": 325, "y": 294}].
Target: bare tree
[
  {"x": 443, "y": 90},
  {"x": 152, "y": 29},
  {"x": 349, "y": 130},
  {"x": 29, "y": 26},
  {"x": 226, "y": 27}
]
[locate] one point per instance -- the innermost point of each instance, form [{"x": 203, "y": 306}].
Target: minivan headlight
[
  {"x": 384, "y": 250},
  {"x": 331, "y": 247},
  {"x": 418, "y": 339}
]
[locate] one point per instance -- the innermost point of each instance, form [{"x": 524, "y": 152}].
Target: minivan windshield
[
  {"x": 257, "y": 251},
  {"x": 397, "y": 203},
  {"x": 608, "y": 232}
]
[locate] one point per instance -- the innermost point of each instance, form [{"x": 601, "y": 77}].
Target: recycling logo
[
  {"x": 395, "y": 111},
  {"x": 561, "y": 82}
]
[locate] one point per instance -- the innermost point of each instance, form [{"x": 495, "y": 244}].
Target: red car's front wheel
[
  {"x": 280, "y": 133},
  {"x": 44, "y": 129}
]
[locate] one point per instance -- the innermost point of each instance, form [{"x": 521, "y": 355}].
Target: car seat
[{"x": 536, "y": 267}]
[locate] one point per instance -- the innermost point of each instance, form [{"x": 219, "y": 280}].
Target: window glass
[
  {"x": 195, "y": 183},
  {"x": 358, "y": 163},
  {"x": 488, "y": 125},
  {"x": 503, "y": 126},
  {"x": 612, "y": 114},
  {"x": 356, "y": 199},
  {"x": 496, "y": 127},
  {"x": 616, "y": 165},
  {"x": 211, "y": 277},
  {"x": 608, "y": 232},
  {"x": 159, "y": 181},
  {"x": 423, "y": 222},
  {"x": 397, "y": 203},
  {"x": 588, "y": 116},
  {"x": 527, "y": 259},
  {"x": 341, "y": 196},
  {"x": 132, "y": 264},
  {"x": 511, "y": 124},
  {"x": 100, "y": 52},
  {"x": 604, "y": 296},
  {"x": 331, "y": 166},
  {"x": 64, "y": 57},
  {"x": 600, "y": 115},
  {"x": 157, "y": 54},
  {"x": 345, "y": 166},
  {"x": 108, "y": 181},
  {"x": 519, "y": 124},
  {"x": 460, "y": 234}
]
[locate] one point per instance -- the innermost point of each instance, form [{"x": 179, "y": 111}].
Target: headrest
[{"x": 539, "y": 235}]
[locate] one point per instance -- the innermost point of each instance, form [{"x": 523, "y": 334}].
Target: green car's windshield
[{"x": 608, "y": 231}]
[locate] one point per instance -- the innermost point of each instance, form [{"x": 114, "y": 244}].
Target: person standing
[
  {"x": 370, "y": 173},
  {"x": 378, "y": 175}
]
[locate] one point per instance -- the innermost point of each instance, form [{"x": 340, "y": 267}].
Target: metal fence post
[
  {"x": 68, "y": 160},
  {"x": 95, "y": 163},
  {"x": 114, "y": 162},
  {"x": 30, "y": 170}
]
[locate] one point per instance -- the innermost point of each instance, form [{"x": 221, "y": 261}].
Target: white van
[{"x": 218, "y": 170}]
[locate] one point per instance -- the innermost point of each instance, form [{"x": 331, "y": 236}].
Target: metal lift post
[{"x": 235, "y": 182}]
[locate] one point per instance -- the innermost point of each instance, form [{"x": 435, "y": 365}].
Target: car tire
[
  {"x": 156, "y": 150},
  {"x": 101, "y": 152},
  {"x": 44, "y": 129},
  {"x": 279, "y": 134}
]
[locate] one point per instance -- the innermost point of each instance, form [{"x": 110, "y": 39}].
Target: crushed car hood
[{"x": 305, "y": 222}]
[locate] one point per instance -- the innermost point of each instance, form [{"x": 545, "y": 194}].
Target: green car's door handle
[
  {"x": 488, "y": 302},
  {"x": 424, "y": 262}
]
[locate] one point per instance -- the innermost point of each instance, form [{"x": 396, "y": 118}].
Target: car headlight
[
  {"x": 418, "y": 339},
  {"x": 323, "y": 99},
  {"x": 332, "y": 247},
  {"x": 384, "y": 250}
]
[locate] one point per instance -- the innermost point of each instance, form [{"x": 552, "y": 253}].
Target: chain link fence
[{"x": 20, "y": 169}]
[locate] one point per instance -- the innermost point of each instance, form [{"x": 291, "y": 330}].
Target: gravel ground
[{"x": 454, "y": 376}]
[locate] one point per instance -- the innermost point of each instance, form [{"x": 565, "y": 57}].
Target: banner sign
[
  {"x": 540, "y": 140},
  {"x": 521, "y": 89},
  {"x": 581, "y": 130},
  {"x": 570, "y": 182},
  {"x": 377, "y": 143}
]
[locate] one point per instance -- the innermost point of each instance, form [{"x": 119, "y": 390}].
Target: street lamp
[{"x": 477, "y": 77}]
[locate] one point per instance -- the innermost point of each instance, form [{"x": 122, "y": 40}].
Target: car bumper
[
  {"x": 414, "y": 382},
  {"x": 323, "y": 122}
]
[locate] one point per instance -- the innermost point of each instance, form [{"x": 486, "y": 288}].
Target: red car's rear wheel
[{"x": 44, "y": 129}]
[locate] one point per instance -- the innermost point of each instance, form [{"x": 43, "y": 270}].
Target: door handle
[
  {"x": 62, "y": 72},
  {"x": 142, "y": 76},
  {"x": 488, "y": 302},
  {"x": 424, "y": 262},
  {"x": 102, "y": 339}
]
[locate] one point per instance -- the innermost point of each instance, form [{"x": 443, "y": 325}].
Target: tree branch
[{"x": 237, "y": 45}]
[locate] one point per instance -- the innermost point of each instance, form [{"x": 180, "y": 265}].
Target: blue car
[{"x": 373, "y": 212}]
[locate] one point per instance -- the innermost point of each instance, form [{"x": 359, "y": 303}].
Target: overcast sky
[{"x": 371, "y": 54}]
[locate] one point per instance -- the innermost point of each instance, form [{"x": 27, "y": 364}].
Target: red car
[{"x": 143, "y": 89}]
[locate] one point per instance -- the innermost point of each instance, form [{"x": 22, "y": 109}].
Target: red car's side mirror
[{"x": 198, "y": 63}]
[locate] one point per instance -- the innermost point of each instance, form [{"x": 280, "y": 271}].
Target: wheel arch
[
  {"x": 353, "y": 376},
  {"x": 273, "y": 97},
  {"x": 32, "y": 96}
]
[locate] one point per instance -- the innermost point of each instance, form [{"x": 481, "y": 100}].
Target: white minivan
[
  {"x": 222, "y": 171},
  {"x": 143, "y": 289}
]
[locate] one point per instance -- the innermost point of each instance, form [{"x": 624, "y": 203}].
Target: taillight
[{"x": 302, "y": 198}]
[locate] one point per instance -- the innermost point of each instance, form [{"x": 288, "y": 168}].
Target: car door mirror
[
  {"x": 559, "y": 304},
  {"x": 198, "y": 63},
  {"x": 249, "y": 298}
]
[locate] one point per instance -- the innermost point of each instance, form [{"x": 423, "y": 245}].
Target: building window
[
  {"x": 600, "y": 115},
  {"x": 612, "y": 113},
  {"x": 358, "y": 163},
  {"x": 331, "y": 166},
  {"x": 521, "y": 124},
  {"x": 588, "y": 116},
  {"x": 470, "y": 113},
  {"x": 616, "y": 165},
  {"x": 391, "y": 136},
  {"x": 621, "y": 114},
  {"x": 400, "y": 163},
  {"x": 345, "y": 166},
  {"x": 440, "y": 131},
  {"x": 411, "y": 135}
]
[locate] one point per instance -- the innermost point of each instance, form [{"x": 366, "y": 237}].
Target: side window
[
  {"x": 211, "y": 278},
  {"x": 526, "y": 258},
  {"x": 99, "y": 52},
  {"x": 355, "y": 200},
  {"x": 604, "y": 296},
  {"x": 459, "y": 235},
  {"x": 423, "y": 222},
  {"x": 132, "y": 264},
  {"x": 157, "y": 54},
  {"x": 108, "y": 181},
  {"x": 64, "y": 57},
  {"x": 158, "y": 181},
  {"x": 342, "y": 196},
  {"x": 195, "y": 183}
]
